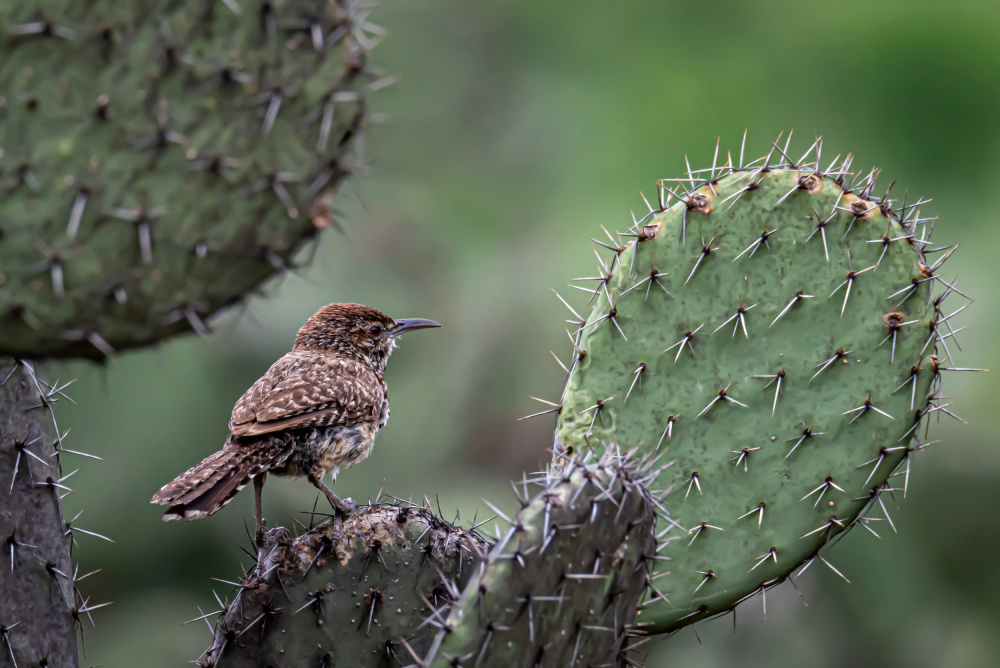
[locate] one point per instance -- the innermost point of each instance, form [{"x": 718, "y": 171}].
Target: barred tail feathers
[{"x": 206, "y": 488}]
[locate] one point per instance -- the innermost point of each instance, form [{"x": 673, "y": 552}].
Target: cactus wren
[{"x": 316, "y": 409}]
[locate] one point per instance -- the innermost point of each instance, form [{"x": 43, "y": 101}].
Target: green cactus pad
[
  {"x": 158, "y": 160},
  {"x": 561, "y": 587},
  {"x": 773, "y": 333},
  {"x": 347, "y": 592}
]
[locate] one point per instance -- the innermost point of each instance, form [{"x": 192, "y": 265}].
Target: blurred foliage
[{"x": 517, "y": 128}]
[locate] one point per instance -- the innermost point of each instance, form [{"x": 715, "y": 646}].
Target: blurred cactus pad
[
  {"x": 771, "y": 328},
  {"x": 160, "y": 158}
]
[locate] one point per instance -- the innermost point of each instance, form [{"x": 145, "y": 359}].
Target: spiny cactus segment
[
  {"x": 398, "y": 585},
  {"x": 159, "y": 160},
  {"x": 42, "y": 607},
  {"x": 560, "y": 587},
  {"x": 772, "y": 327},
  {"x": 354, "y": 591}
]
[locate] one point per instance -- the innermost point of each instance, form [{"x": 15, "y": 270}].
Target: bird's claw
[{"x": 347, "y": 506}]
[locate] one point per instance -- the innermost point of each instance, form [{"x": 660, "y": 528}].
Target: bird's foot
[
  {"x": 347, "y": 506},
  {"x": 342, "y": 507}
]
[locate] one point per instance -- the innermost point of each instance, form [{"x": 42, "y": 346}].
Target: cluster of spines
[
  {"x": 338, "y": 157},
  {"x": 35, "y": 467},
  {"x": 508, "y": 603},
  {"x": 696, "y": 192}
]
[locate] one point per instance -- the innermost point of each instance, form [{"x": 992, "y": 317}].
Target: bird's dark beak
[{"x": 410, "y": 324}]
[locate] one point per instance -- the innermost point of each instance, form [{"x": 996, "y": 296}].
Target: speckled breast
[{"x": 324, "y": 450}]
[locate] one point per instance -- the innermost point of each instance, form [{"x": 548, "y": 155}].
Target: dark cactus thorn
[
  {"x": 785, "y": 361},
  {"x": 159, "y": 160}
]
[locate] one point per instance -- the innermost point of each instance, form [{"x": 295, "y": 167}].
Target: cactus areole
[
  {"x": 158, "y": 160},
  {"x": 771, "y": 328}
]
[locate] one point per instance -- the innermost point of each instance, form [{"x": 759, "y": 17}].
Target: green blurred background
[{"x": 516, "y": 129}]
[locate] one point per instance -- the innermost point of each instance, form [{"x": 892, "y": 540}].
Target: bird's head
[{"x": 356, "y": 330}]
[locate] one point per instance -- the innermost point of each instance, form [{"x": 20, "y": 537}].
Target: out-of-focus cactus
[
  {"x": 355, "y": 591},
  {"x": 770, "y": 327},
  {"x": 561, "y": 587},
  {"x": 160, "y": 159},
  {"x": 41, "y": 605}
]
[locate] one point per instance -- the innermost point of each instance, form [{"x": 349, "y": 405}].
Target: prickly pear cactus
[
  {"x": 396, "y": 585},
  {"x": 42, "y": 606},
  {"x": 770, "y": 327},
  {"x": 159, "y": 159},
  {"x": 354, "y": 591},
  {"x": 560, "y": 588}
]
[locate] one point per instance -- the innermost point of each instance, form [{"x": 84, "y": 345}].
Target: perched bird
[{"x": 316, "y": 409}]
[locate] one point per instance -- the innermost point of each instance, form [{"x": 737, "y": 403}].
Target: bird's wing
[{"x": 301, "y": 392}]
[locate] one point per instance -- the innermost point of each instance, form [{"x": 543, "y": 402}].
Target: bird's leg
[
  {"x": 340, "y": 506},
  {"x": 258, "y": 486}
]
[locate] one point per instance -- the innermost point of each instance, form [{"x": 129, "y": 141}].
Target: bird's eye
[{"x": 374, "y": 330}]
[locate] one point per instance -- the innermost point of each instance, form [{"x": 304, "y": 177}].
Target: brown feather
[
  {"x": 206, "y": 488},
  {"x": 202, "y": 501},
  {"x": 305, "y": 389},
  {"x": 206, "y": 472},
  {"x": 321, "y": 418}
]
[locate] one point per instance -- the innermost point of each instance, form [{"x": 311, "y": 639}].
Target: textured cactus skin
[
  {"x": 37, "y": 618},
  {"x": 561, "y": 587},
  {"x": 739, "y": 553},
  {"x": 380, "y": 572},
  {"x": 162, "y": 158}
]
